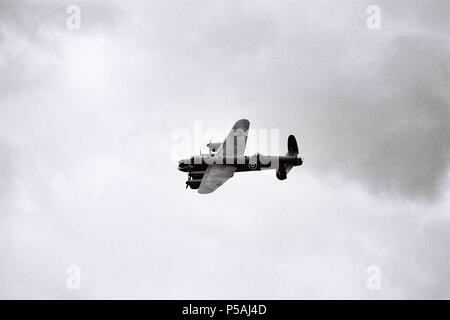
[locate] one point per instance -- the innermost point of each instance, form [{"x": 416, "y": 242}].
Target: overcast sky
[{"x": 87, "y": 177}]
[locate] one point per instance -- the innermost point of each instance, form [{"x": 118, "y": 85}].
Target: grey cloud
[
  {"x": 30, "y": 30},
  {"x": 372, "y": 106},
  {"x": 88, "y": 181},
  {"x": 31, "y": 18},
  {"x": 390, "y": 128},
  {"x": 6, "y": 170}
]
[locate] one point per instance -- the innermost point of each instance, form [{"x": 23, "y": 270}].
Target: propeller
[{"x": 187, "y": 182}]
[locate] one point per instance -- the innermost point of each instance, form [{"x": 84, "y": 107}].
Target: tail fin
[
  {"x": 284, "y": 168},
  {"x": 292, "y": 146}
]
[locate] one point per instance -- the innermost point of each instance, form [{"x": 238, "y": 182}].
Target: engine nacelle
[
  {"x": 196, "y": 174},
  {"x": 194, "y": 183},
  {"x": 281, "y": 172}
]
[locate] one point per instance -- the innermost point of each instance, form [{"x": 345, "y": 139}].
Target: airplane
[{"x": 207, "y": 172}]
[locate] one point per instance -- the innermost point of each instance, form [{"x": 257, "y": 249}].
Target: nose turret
[{"x": 183, "y": 166}]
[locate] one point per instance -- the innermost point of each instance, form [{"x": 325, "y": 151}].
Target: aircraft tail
[
  {"x": 284, "y": 168},
  {"x": 292, "y": 146}
]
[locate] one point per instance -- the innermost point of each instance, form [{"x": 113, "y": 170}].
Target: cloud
[
  {"x": 85, "y": 173},
  {"x": 371, "y": 106},
  {"x": 388, "y": 128}
]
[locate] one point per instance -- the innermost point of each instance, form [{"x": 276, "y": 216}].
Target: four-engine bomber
[{"x": 207, "y": 172}]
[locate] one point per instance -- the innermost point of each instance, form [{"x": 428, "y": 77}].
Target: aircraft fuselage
[{"x": 257, "y": 162}]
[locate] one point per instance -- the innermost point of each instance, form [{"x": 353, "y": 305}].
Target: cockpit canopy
[{"x": 186, "y": 161}]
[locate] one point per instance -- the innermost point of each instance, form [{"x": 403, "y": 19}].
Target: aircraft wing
[
  {"x": 233, "y": 145},
  {"x": 215, "y": 176},
  {"x": 235, "y": 142}
]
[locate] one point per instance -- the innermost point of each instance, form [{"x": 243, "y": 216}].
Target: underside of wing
[
  {"x": 234, "y": 144},
  {"x": 215, "y": 176}
]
